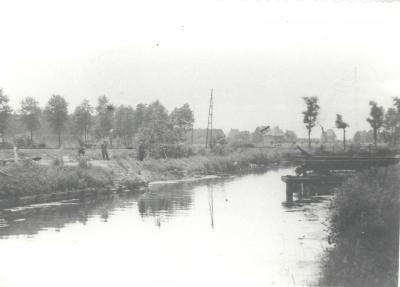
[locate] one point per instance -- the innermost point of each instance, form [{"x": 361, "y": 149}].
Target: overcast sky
[{"x": 260, "y": 57}]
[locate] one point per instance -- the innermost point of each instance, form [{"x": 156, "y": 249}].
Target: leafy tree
[
  {"x": 340, "y": 124},
  {"x": 375, "y": 119},
  {"x": 156, "y": 129},
  {"x": 156, "y": 118},
  {"x": 139, "y": 117},
  {"x": 5, "y": 113},
  {"x": 396, "y": 103},
  {"x": 182, "y": 120},
  {"x": 105, "y": 119},
  {"x": 124, "y": 124},
  {"x": 390, "y": 124},
  {"x": 358, "y": 137},
  {"x": 310, "y": 115},
  {"x": 56, "y": 113},
  {"x": 82, "y": 120},
  {"x": 30, "y": 115}
]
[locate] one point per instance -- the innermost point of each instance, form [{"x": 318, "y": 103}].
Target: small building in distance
[
  {"x": 257, "y": 137},
  {"x": 290, "y": 136},
  {"x": 262, "y": 136},
  {"x": 328, "y": 136},
  {"x": 200, "y": 135},
  {"x": 236, "y": 136},
  {"x": 273, "y": 136},
  {"x": 363, "y": 137}
]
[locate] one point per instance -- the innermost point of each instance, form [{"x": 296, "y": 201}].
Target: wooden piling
[
  {"x": 289, "y": 192},
  {"x": 300, "y": 192}
]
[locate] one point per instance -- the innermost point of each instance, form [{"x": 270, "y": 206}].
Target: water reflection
[
  {"x": 166, "y": 200},
  {"x": 30, "y": 220},
  {"x": 234, "y": 230}
]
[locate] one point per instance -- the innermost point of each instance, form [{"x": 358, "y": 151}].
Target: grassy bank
[
  {"x": 131, "y": 172},
  {"x": 365, "y": 231},
  {"x": 31, "y": 180}
]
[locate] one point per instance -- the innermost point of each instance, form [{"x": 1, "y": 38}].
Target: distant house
[
  {"x": 257, "y": 137},
  {"x": 361, "y": 137},
  {"x": 232, "y": 135},
  {"x": 290, "y": 136},
  {"x": 328, "y": 136},
  {"x": 238, "y": 137},
  {"x": 200, "y": 135},
  {"x": 274, "y": 135}
]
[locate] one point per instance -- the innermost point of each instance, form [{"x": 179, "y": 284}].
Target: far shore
[{"x": 46, "y": 181}]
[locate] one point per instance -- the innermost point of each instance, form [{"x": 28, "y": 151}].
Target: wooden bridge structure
[{"x": 318, "y": 172}]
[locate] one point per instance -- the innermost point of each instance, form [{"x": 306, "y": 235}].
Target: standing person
[
  {"x": 141, "y": 152},
  {"x": 81, "y": 149},
  {"x": 61, "y": 156},
  {"x": 104, "y": 151}
]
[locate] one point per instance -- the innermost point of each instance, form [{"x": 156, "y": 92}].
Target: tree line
[
  {"x": 148, "y": 124},
  {"x": 385, "y": 126}
]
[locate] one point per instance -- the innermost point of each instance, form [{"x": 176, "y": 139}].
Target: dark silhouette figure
[
  {"x": 141, "y": 152},
  {"x": 104, "y": 151},
  {"x": 81, "y": 149}
]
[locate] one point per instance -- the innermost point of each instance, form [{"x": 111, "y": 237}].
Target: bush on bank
[
  {"x": 34, "y": 180},
  {"x": 365, "y": 231}
]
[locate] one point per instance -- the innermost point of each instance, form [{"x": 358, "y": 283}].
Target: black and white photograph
[{"x": 199, "y": 143}]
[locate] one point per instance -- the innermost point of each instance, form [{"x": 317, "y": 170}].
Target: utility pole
[
  {"x": 355, "y": 95},
  {"x": 209, "y": 137}
]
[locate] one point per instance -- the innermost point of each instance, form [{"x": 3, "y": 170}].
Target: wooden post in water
[
  {"x": 289, "y": 192},
  {"x": 301, "y": 192}
]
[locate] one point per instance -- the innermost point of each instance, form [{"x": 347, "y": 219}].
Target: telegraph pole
[{"x": 210, "y": 123}]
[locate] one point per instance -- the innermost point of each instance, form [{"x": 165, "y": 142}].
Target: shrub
[
  {"x": 132, "y": 182},
  {"x": 365, "y": 231}
]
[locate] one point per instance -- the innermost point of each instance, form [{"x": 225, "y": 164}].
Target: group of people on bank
[{"x": 104, "y": 151}]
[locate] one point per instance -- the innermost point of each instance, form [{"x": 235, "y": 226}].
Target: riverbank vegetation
[
  {"x": 211, "y": 164},
  {"x": 365, "y": 231},
  {"x": 31, "y": 180},
  {"x": 126, "y": 171},
  {"x": 130, "y": 173}
]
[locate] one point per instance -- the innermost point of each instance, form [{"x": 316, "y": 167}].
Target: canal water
[{"x": 222, "y": 232}]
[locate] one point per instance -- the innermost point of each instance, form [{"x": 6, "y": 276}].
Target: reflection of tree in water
[
  {"x": 30, "y": 221},
  {"x": 165, "y": 201}
]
